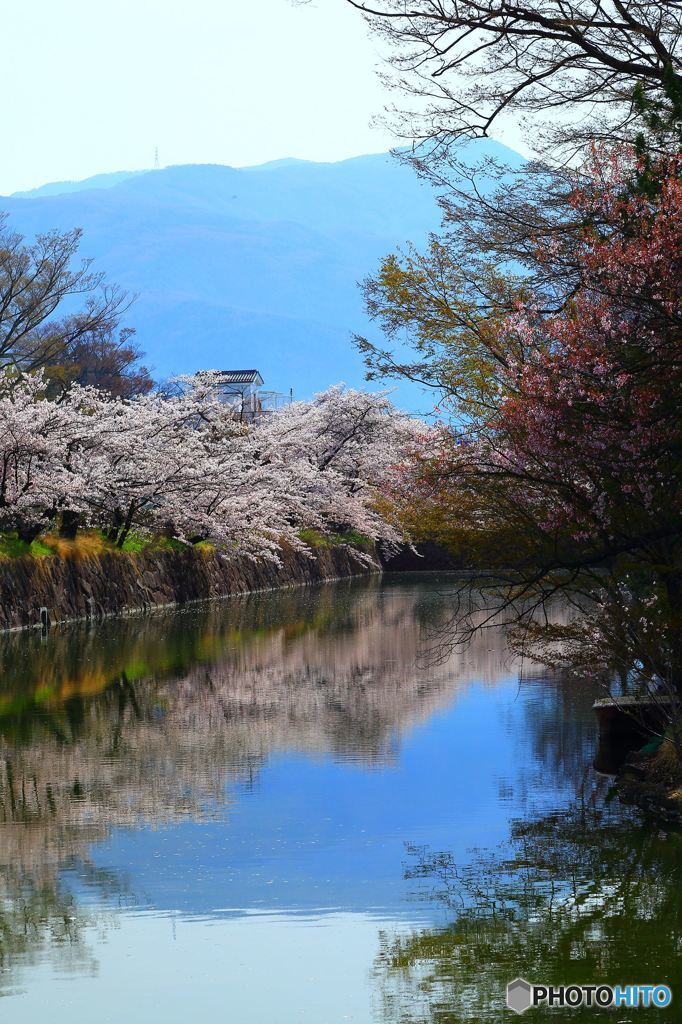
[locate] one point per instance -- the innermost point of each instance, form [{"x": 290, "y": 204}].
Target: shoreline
[
  {"x": 653, "y": 783},
  {"x": 37, "y": 593}
]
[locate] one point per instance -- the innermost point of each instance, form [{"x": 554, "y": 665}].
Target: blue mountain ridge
[{"x": 255, "y": 266}]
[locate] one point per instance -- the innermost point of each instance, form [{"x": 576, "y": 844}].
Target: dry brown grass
[
  {"x": 87, "y": 544},
  {"x": 666, "y": 768}
]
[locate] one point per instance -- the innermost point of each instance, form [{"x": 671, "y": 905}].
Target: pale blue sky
[{"x": 95, "y": 87}]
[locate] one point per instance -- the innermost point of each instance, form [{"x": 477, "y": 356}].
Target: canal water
[{"x": 302, "y": 807}]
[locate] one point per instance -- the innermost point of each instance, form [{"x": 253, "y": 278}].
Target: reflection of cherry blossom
[{"x": 226, "y": 687}]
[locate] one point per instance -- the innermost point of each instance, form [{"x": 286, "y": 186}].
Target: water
[{"x": 284, "y": 808}]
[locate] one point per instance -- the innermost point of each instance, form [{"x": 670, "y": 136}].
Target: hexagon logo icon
[{"x": 519, "y": 995}]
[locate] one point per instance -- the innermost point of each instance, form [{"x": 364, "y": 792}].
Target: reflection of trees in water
[
  {"x": 586, "y": 895},
  {"x": 145, "y": 720},
  {"x": 560, "y": 732},
  {"x": 146, "y": 723},
  {"x": 579, "y": 897},
  {"x": 36, "y": 915},
  {"x": 40, "y": 916}
]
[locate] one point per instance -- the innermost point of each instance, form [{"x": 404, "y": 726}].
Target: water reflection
[
  {"x": 230, "y": 790},
  {"x": 142, "y": 722},
  {"x": 585, "y": 894},
  {"x": 578, "y": 897},
  {"x": 141, "y": 719}
]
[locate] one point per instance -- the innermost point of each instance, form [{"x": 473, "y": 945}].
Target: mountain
[
  {"x": 254, "y": 266},
  {"x": 55, "y": 188}
]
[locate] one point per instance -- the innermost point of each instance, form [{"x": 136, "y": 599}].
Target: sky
[{"x": 97, "y": 87}]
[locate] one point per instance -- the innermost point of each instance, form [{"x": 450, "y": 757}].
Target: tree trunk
[
  {"x": 673, "y": 587},
  {"x": 28, "y": 533},
  {"x": 125, "y": 528},
  {"x": 69, "y": 524},
  {"x": 113, "y": 531}
]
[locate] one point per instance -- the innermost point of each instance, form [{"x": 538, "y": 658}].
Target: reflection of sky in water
[
  {"x": 254, "y": 970},
  {"x": 270, "y": 908},
  {"x": 319, "y": 834}
]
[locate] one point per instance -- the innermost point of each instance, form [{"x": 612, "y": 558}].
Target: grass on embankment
[
  {"x": 90, "y": 543},
  {"x": 87, "y": 544},
  {"x": 316, "y": 539}
]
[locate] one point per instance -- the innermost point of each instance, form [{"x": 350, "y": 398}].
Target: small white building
[{"x": 243, "y": 389}]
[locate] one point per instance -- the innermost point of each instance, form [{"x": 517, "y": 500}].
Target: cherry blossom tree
[
  {"x": 184, "y": 464},
  {"x": 560, "y": 466},
  {"x": 35, "y": 441},
  {"x": 592, "y": 428},
  {"x": 344, "y": 447}
]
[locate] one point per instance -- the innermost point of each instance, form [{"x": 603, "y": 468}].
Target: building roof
[{"x": 240, "y": 376}]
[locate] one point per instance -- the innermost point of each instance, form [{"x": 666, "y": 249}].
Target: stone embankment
[{"x": 34, "y": 591}]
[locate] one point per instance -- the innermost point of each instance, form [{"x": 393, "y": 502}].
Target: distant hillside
[
  {"x": 56, "y": 188},
  {"x": 253, "y": 266}
]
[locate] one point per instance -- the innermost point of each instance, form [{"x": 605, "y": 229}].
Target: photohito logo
[{"x": 521, "y": 995}]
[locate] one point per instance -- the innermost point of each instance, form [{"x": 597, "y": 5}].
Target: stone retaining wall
[{"x": 119, "y": 583}]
